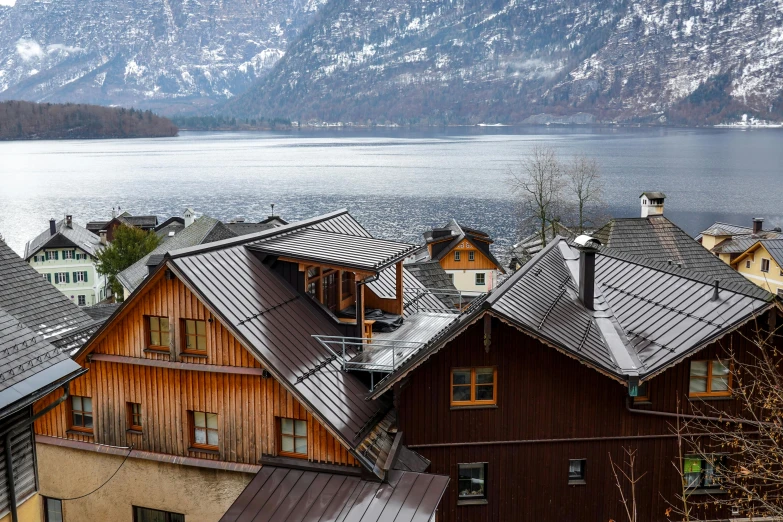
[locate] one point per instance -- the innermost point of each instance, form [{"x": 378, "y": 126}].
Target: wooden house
[{"x": 212, "y": 392}]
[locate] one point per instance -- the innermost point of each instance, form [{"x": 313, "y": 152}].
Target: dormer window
[{"x": 456, "y": 255}]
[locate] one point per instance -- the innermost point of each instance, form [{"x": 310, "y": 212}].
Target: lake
[{"x": 396, "y": 182}]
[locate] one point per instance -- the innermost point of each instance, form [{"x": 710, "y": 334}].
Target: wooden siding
[
  {"x": 247, "y": 405},
  {"x": 543, "y": 394},
  {"x": 481, "y": 261}
]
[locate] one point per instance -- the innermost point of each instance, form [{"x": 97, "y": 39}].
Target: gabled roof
[
  {"x": 657, "y": 239},
  {"x": 443, "y": 241},
  {"x": 243, "y": 228},
  {"x": 433, "y": 277},
  {"x": 648, "y": 316},
  {"x": 75, "y": 236},
  {"x": 653, "y": 195},
  {"x": 335, "y": 249},
  {"x": 726, "y": 229},
  {"x": 416, "y": 296},
  {"x": 203, "y": 230},
  {"x": 531, "y": 245},
  {"x": 289, "y": 495},
  {"x": 773, "y": 246}
]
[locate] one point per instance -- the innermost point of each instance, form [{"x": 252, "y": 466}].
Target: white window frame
[
  {"x": 59, "y": 278},
  {"x": 472, "y": 255},
  {"x": 78, "y": 277},
  {"x": 48, "y": 255},
  {"x": 456, "y": 255},
  {"x": 68, "y": 254}
]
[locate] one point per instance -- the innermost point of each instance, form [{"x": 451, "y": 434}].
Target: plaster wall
[{"x": 31, "y": 510}]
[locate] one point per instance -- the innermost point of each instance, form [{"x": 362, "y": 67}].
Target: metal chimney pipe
[
  {"x": 588, "y": 246},
  {"x": 52, "y": 227},
  {"x": 757, "y": 224},
  {"x": 716, "y": 291}
]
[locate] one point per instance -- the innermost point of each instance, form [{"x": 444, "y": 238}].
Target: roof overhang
[{"x": 24, "y": 393}]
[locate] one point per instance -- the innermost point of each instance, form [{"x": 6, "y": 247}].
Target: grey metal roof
[
  {"x": 775, "y": 249},
  {"x": 276, "y": 324},
  {"x": 524, "y": 250},
  {"x": 653, "y": 195},
  {"x": 289, "y": 495},
  {"x": 331, "y": 248},
  {"x": 242, "y": 229},
  {"x": 75, "y": 235},
  {"x": 35, "y": 302},
  {"x": 416, "y": 296},
  {"x": 647, "y": 317},
  {"x": 657, "y": 239},
  {"x": 203, "y": 230},
  {"x": 140, "y": 221}
]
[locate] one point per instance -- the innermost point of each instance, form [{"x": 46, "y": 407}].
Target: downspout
[
  {"x": 684, "y": 415},
  {"x": 9, "y": 461}
]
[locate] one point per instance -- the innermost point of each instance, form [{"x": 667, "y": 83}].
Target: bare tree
[
  {"x": 538, "y": 182},
  {"x": 585, "y": 186},
  {"x": 627, "y": 470}
]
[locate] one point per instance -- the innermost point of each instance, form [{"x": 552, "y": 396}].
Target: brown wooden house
[
  {"x": 211, "y": 380},
  {"x": 577, "y": 356}
]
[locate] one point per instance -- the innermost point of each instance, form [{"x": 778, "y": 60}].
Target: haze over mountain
[{"x": 428, "y": 61}]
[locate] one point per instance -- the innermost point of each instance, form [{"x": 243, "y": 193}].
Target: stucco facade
[
  {"x": 466, "y": 280},
  {"x": 758, "y": 265},
  {"x": 91, "y": 286},
  {"x": 202, "y": 495},
  {"x": 31, "y": 510}
]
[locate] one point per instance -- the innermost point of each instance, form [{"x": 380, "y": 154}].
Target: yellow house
[{"x": 762, "y": 263}]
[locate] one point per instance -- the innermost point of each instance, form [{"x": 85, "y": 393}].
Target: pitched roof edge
[{"x": 241, "y": 240}]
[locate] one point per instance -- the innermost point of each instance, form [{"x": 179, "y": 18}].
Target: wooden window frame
[
  {"x": 475, "y": 499},
  {"x": 473, "y": 385},
  {"x": 148, "y": 334},
  {"x": 71, "y": 424},
  {"x": 184, "y": 334},
  {"x": 198, "y": 446},
  {"x": 132, "y": 425},
  {"x": 717, "y": 460},
  {"x": 280, "y": 439},
  {"x": 643, "y": 397},
  {"x": 708, "y": 378}
]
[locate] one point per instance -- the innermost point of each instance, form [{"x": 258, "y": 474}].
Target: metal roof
[
  {"x": 657, "y": 239},
  {"x": 479, "y": 239},
  {"x": 653, "y": 195},
  {"x": 416, "y": 296},
  {"x": 290, "y": 495},
  {"x": 647, "y": 317},
  {"x": 277, "y": 324},
  {"x": 531, "y": 245},
  {"x": 75, "y": 235},
  {"x": 432, "y": 276},
  {"x": 775, "y": 249},
  {"x": 337, "y": 249}
]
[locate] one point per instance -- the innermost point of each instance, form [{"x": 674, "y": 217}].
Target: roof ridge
[{"x": 516, "y": 276}]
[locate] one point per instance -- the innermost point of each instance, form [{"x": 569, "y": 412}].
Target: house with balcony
[
  {"x": 64, "y": 255},
  {"x": 231, "y": 385}
]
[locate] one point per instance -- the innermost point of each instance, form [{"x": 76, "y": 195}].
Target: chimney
[
  {"x": 272, "y": 215},
  {"x": 103, "y": 237},
  {"x": 587, "y": 246},
  {"x": 69, "y": 221},
  {"x": 189, "y": 216},
  {"x": 652, "y": 203},
  {"x": 52, "y": 227},
  {"x": 716, "y": 291},
  {"x": 757, "y": 223}
]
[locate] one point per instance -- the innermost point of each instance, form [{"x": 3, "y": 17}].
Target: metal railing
[
  {"x": 416, "y": 298},
  {"x": 373, "y": 355}
]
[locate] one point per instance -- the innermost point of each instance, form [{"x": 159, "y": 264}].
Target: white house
[{"x": 65, "y": 256}]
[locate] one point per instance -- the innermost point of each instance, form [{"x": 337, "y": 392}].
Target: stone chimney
[
  {"x": 189, "y": 216},
  {"x": 587, "y": 246},
  {"x": 52, "y": 227},
  {"x": 103, "y": 236},
  {"x": 757, "y": 225},
  {"x": 652, "y": 203},
  {"x": 69, "y": 221}
]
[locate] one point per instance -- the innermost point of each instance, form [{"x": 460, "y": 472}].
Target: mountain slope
[
  {"x": 467, "y": 61},
  {"x": 147, "y": 53}
]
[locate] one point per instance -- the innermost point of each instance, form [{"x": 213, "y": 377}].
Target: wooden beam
[{"x": 213, "y": 368}]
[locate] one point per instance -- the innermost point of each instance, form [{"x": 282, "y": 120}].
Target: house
[
  {"x": 762, "y": 264},
  {"x": 38, "y": 327},
  {"x": 728, "y": 241},
  {"x": 65, "y": 256},
  {"x": 583, "y": 352},
  {"x": 524, "y": 250},
  {"x": 215, "y": 391},
  {"x": 465, "y": 254},
  {"x": 108, "y": 228}
]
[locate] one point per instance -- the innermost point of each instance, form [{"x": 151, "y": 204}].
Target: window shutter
[
  {"x": 85, "y": 276},
  {"x": 67, "y": 277},
  {"x": 49, "y": 277},
  {"x": 56, "y": 255},
  {"x": 75, "y": 277}
]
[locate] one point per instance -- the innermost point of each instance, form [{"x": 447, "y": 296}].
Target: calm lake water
[{"x": 396, "y": 182}]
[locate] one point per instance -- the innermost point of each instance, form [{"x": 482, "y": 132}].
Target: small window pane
[
  {"x": 154, "y": 323},
  {"x": 154, "y": 338},
  {"x": 164, "y": 339},
  {"x": 288, "y": 444},
  {"x": 201, "y": 436},
  {"x": 212, "y": 438},
  {"x": 164, "y": 324},
  {"x": 301, "y": 445},
  {"x": 87, "y": 403},
  {"x": 212, "y": 422},
  {"x": 77, "y": 419},
  {"x": 201, "y": 328},
  {"x": 301, "y": 428},
  {"x": 54, "y": 510},
  {"x": 88, "y": 421},
  {"x": 190, "y": 327},
  {"x": 699, "y": 368},
  {"x": 719, "y": 368},
  {"x": 576, "y": 469},
  {"x": 77, "y": 403},
  {"x": 287, "y": 426},
  {"x": 201, "y": 344},
  {"x": 461, "y": 377},
  {"x": 720, "y": 384},
  {"x": 698, "y": 385},
  {"x": 461, "y": 393},
  {"x": 484, "y": 375},
  {"x": 199, "y": 419},
  {"x": 484, "y": 393}
]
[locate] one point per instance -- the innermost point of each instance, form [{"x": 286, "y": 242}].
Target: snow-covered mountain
[
  {"x": 471, "y": 61},
  {"x": 163, "y": 54}
]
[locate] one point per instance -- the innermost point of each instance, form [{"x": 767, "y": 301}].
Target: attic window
[
  {"x": 710, "y": 379},
  {"x": 456, "y": 255},
  {"x": 764, "y": 265},
  {"x": 747, "y": 263},
  {"x": 293, "y": 438},
  {"x": 195, "y": 338},
  {"x": 472, "y": 255}
]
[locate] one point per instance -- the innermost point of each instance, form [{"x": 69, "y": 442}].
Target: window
[
  {"x": 780, "y": 292},
  {"x": 293, "y": 438},
  {"x": 576, "y": 471},
  {"x": 710, "y": 379},
  {"x": 473, "y": 386},
  {"x": 765, "y": 265},
  {"x": 82, "y": 299},
  {"x": 480, "y": 279},
  {"x": 67, "y": 254},
  {"x": 61, "y": 278},
  {"x": 81, "y": 413},
  {"x": 204, "y": 432},
  {"x": 134, "y": 416},
  {"x": 456, "y": 255},
  {"x": 471, "y": 255},
  {"x": 349, "y": 284},
  {"x": 141, "y": 514},
  {"x": 472, "y": 481},
  {"x": 53, "y": 509},
  {"x": 643, "y": 393},
  {"x": 747, "y": 263},
  {"x": 51, "y": 254},
  {"x": 80, "y": 277},
  {"x": 699, "y": 471},
  {"x": 195, "y": 337},
  {"x": 158, "y": 333}
]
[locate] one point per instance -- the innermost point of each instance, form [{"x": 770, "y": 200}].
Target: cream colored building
[{"x": 762, "y": 264}]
